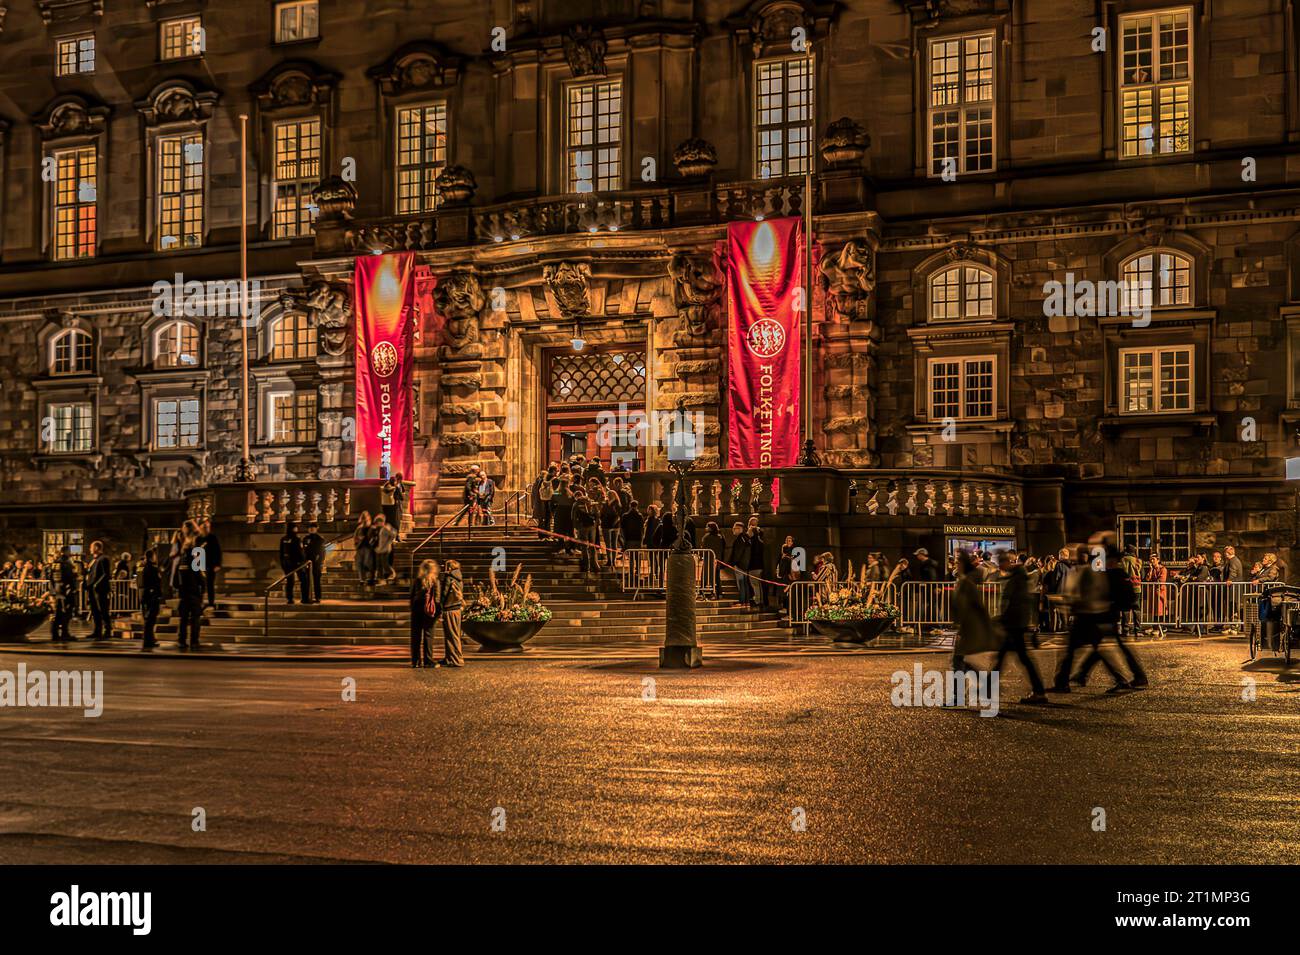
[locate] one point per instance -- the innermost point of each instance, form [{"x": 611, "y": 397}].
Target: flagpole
[
  {"x": 245, "y": 470},
  {"x": 809, "y": 457}
]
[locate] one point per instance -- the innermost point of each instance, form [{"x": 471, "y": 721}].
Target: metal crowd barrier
[
  {"x": 1217, "y": 604},
  {"x": 122, "y": 595},
  {"x": 647, "y": 569},
  {"x": 928, "y": 603}
]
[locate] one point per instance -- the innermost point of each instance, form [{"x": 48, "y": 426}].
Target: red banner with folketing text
[
  {"x": 384, "y": 290},
  {"x": 764, "y": 275}
]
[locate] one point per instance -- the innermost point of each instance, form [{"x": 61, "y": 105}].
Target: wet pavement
[{"x": 758, "y": 757}]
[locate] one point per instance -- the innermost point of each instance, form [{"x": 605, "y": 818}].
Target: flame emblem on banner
[
  {"x": 383, "y": 359},
  {"x": 766, "y": 338}
]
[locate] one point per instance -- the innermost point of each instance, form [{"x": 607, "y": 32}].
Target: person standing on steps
[
  {"x": 384, "y": 537},
  {"x": 757, "y": 564},
  {"x": 470, "y": 494},
  {"x": 313, "y": 549},
  {"x": 212, "y": 556},
  {"x": 190, "y": 588},
  {"x": 451, "y": 598},
  {"x": 149, "y": 584},
  {"x": 388, "y": 500},
  {"x": 363, "y": 550},
  {"x": 65, "y": 596},
  {"x": 738, "y": 557},
  {"x": 291, "y": 559},
  {"x": 98, "y": 583},
  {"x": 562, "y": 512},
  {"x": 424, "y": 612}
]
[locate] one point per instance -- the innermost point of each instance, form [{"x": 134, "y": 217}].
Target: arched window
[
  {"x": 961, "y": 292},
  {"x": 1156, "y": 278},
  {"x": 292, "y": 338},
  {"x": 176, "y": 345},
  {"x": 72, "y": 352}
]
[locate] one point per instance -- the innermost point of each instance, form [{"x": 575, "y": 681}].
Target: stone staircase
[{"x": 588, "y": 609}]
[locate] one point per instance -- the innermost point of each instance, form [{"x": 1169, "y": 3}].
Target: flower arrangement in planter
[
  {"x": 855, "y": 609},
  {"x": 518, "y": 603},
  {"x": 21, "y": 612}
]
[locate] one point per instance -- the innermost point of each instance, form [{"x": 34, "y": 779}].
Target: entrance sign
[
  {"x": 384, "y": 288},
  {"x": 980, "y": 530},
  {"x": 764, "y": 275}
]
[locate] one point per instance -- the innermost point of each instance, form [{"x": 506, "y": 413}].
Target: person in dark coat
[
  {"x": 451, "y": 599},
  {"x": 923, "y": 566},
  {"x": 652, "y": 522},
  {"x": 98, "y": 583},
  {"x": 666, "y": 533},
  {"x": 757, "y": 563},
  {"x": 65, "y": 597},
  {"x": 1013, "y": 617},
  {"x": 632, "y": 524},
  {"x": 425, "y": 594},
  {"x": 713, "y": 540},
  {"x": 212, "y": 558},
  {"x": 191, "y": 590},
  {"x": 562, "y": 514},
  {"x": 738, "y": 558},
  {"x": 149, "y": 584},
  {"x": 291, "y": 559},
  {"x": 313, "y": 549}
]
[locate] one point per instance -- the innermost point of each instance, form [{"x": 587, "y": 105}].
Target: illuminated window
[
  {"x": 1169, "y": 535},
  {"x": 72, "y": 426},
  {"x": 298, "y": 20},
  {"x": 75, "y": 191},
  {"x": 293, "y": 338},
  {"x": 783, "y": 117},
  {"x": 1156, "y": 380},
  {"x": 180, "y": 191},
  {"x": 297, "y": 171},
  {"x": 176, "y": 345},
  {"x": 72, "y": 352},
  {"x": 421, "y": 155},
  {"x": 176, "y": 423},
  {"x": 962, "y": 388},
  {"x": 961, "y": 104},
  {"x": 76, "y": 54},
  {"x": 1156, "y": 279},
  {"x": 181, "y": 38},
  {"x": 292, "y": 417},
  {"x": 594, "y": 133},
  {"x": 961, "y": 292},
  {"x": 53, "y": 542},
  {"x": 1155, "y": 83}
]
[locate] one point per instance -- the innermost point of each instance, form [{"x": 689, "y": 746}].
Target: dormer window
[
  {"x": 962, "y": 293},
  {"x": 72, "y": 352}
]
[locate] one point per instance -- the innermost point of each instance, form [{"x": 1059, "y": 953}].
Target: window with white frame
[
  {"x": 75, "y": 192},
  {"x": 71, "y": 426},
  {"x": 1156, "y": 279},
  {"x": 297, "y": 171},
  {"x": 180, "y": 191},
  {"x": 292, "y": 338},
  {"x": 75, "y": 54},
  {"x": 594, "y": 136},
  {"x": 1156, "y": 380},
  {"x": 176, "y": 345},
  {"x": 421, "y": 156},
  {"x": 1169, "y": 535},
  {"x": 180, "y": 38},
  {"x": 961, "y": 104},
  {"x": 961, "y": 292},
  {"x": 72, "y": 352},
  {"x": 783, "y": 116},
  {"x": 176, "y": 423},
  {"x": 964, "y": 388},
  {"x": 1155, "y": 83},
  {"x": 53, "y": 542},
  {"x": 291, "y": 417},
  {"x": 297, "y": 20}
]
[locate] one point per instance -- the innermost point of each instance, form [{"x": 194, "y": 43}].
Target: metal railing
[
  {"x": 928, "y": 603},
  {"x": 436, "y": 532},
  {"x": 266, "y": 594},
  {"x": 647, "y": 569}
]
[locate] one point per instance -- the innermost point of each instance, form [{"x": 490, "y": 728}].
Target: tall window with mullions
[
  {"x": 180, "y": 191},
  {"x": 297, "y": 171},
  {"x": 594, "y": 137},
  {"x": 421, "y": 156},
  {"x": 75, "y": 211},
  {"x": 783, "y": 117},
  {"x": 961, "y": 104}
]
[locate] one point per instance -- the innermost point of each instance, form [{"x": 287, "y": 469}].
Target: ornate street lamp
[{"x": 681, "y": 649}]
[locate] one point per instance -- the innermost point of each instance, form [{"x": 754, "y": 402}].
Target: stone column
[{"x": 850, "y": 337}]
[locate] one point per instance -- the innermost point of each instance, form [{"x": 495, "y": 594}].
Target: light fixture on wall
[{"x": 577, "y": 341}]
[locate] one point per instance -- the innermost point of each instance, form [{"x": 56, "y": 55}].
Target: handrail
[
  {"x": 266, "y": 597},
  {"x": 435, "y": 532}
]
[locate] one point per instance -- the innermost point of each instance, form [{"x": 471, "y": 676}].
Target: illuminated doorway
[{"x": 595, "y": 402}]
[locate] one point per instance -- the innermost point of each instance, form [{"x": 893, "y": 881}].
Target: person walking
[
  {"x": 211, "y": 545},
  {"x": 98, "y": 584},
  {"x": 738, "y": 558},
  {"x": 65, "y": 597},
  {"x": 1087, "y": 593},
  {"x": 313, "y": 549},
  {"x": 487, "y": 491},
  {"x": 364, "y": 550},
  {"x": 384, "y": 535},
  {"x": 923, "y": 566},
  {"x": 1121, "y": 596},
  {"x": 1014, "y": 611},
  {"x": 974, "y": 628},
  {"x": 291, "y": 561},
  {"x": 451, "y": 599},
  {"x": 190, "y": 589},
  {"x": 149, "y": 586},
  {"x": 424, "y": 613},
  {"x": 388, "y": 500}
]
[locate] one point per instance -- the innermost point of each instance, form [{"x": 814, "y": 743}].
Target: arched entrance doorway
[{"x": 594, "y": 403}]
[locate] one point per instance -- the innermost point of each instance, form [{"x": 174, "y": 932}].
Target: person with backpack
[
  {"x": 424, "y": 597},
  {"x": 585, "y": 524}
]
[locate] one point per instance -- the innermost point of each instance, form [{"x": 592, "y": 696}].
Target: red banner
[
  {"x": 765, "y": 301},
  {"x": 384, "y": 288}
]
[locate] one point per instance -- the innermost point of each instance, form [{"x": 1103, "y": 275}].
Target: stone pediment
[
  {"x": 294, "y": 83},
  {"x": 72, "y": 115},
  {"x": 417, "y": 66},
  {"x": 176, "y": 101}
]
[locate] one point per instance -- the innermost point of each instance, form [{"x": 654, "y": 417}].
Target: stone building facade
[{"x": 965, "y": 155}]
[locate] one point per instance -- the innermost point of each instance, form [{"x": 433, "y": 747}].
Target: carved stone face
[{"x": 459, "y": 296}]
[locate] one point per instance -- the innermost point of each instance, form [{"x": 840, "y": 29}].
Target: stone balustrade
[{"x": 331, "y": 504}]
